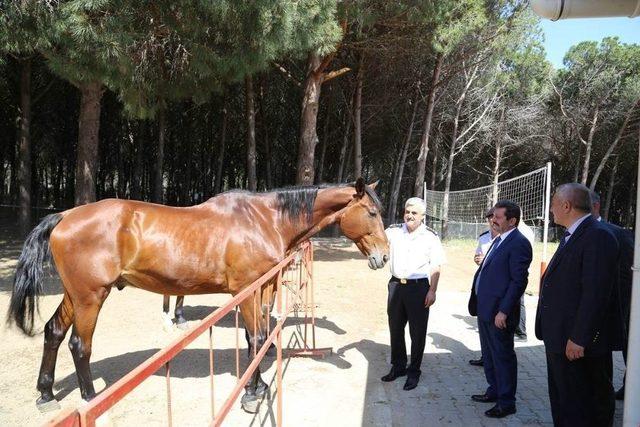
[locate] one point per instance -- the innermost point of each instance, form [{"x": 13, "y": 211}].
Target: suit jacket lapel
[
  {"x": 572, "y": 240},
  {"x": 502, "y": 244}
]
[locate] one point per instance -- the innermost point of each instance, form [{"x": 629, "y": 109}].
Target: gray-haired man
[{"x": 416, "y": 255}]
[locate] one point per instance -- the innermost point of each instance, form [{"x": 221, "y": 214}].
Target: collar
[
  {"x": 421, "y": 229},
  {"x": 504, "y": 235},
  {"x": 572, "y": 228}
]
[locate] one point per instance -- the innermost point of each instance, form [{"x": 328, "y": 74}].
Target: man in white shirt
[{"x": 416, "y": 255}]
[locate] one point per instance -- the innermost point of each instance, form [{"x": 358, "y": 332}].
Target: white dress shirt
[{"x": 413, "y": 255}]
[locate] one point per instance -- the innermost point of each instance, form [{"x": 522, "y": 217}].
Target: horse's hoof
[
  {"x": 250, "y": 403},
  {"x": 47, "y": 405},
  {"x": 182, "y": 324},
  {"x": 272, "y": 350},
  {"x": 167, "y": 322},
  {"x": 262, "y": 389}
]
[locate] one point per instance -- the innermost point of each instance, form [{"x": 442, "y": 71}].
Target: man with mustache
[{"x": 416, "y": 255}]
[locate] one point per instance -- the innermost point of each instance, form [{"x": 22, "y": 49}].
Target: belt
[{"x": 410, "y": 281}]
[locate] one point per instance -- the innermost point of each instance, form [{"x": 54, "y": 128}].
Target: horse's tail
[{"x": 27, "y": 283}]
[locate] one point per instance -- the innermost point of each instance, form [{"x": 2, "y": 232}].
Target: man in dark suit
[
  {"x": 498, "y": 284},
  {"x": 620, "y": 305},
  {"x": 572, "y": 313}
]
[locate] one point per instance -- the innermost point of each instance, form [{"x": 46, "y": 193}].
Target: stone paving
[{"x": 443, "y": 395}]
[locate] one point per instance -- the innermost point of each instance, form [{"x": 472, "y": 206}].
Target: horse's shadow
[
  {"x": 194, "y": 363},
  {"x": 199, "y": 312}
]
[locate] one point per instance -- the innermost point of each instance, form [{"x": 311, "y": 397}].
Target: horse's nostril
[{"x": 385, "y": 258}]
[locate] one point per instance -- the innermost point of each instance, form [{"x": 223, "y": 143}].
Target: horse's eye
[{"x": 373, "y": 212}]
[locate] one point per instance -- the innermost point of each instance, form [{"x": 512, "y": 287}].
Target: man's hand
[
  {"x": 478, "y": 259},
  {"x": 501, "y": 320},
  {"x": 574, "y": 351},
  {"x": 430, "y": 299}
]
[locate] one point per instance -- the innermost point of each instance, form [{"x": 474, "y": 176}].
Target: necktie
[
  {"x": 564, "y": 240},
  {"x": 490, "y": 252}
]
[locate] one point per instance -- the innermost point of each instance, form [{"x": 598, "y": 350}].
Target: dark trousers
[
  {"x": 406, "y": 304},
  {"x": 580, "y": 392},
  {"x": 522, "y": 325},
  {"x": 500, "y": 362}
]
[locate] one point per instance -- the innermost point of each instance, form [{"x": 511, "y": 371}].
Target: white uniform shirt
[
  {"x": 526, "y": 232},
  {"x": 413, "y": 255},
  {"x": 484, "y": 242}
]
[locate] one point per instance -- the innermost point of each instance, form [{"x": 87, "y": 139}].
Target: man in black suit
[
  {"x": 572, "y": 313},
  {"x": 495, "y": 296},
  {"x": 620, "y": 305}
]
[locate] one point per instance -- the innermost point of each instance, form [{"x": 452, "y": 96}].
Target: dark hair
[{"x": 511, "y": 209}]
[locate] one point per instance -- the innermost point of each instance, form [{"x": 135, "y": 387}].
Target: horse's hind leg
[
  {"x": 256, "y": 387},
  {"x": 167, "y": 323},
  {"x": 84, "y": 325},
  {"x": 54, "y": 332},
  {"x": 181, "y": 322}
]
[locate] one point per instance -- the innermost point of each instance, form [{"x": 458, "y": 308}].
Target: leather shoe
[
  {"x": 620, "y": 394},
  {"x": 411, "y": 383},
  {"x": 393, "y": 374},
  {"x": 483, "y": 398},
  {"x": 476, "y": 362},
  {"x": 498, "y": 412}
]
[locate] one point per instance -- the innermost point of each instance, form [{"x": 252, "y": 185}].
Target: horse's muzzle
[{"x": 377, "y": 261}]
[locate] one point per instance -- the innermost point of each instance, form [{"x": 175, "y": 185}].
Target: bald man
[{"x": 572, "y": 315}]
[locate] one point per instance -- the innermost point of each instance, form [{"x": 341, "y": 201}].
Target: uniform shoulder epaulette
[
  {"x": 395, "y": 226},
  {"x": 482, "y": 234},
  {"x": 431, "y": 230}
]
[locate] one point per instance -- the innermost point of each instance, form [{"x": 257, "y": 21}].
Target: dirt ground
[{"x": 351, "y": 314}]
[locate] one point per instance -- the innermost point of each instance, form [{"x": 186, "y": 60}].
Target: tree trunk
[
  {"x": 357, "y": 120},
  {"x": 426, "y": 129},
  {"x": 88, "y": 128},
  {"x": 452, "y": 154},
  {"x": 136, "y": 181},
  {"x": 345, "y": 145},
  {"x": 267, "y": 141},
  {"x": 614, "y": 144},
  {"x": 250, "y": 113},
  {"x": 24, "y": 150},
  {"x": 612, "y": 183},
  {"x": 323, "y": 146},
  {"x": 434, "y": 167},
  {"x": 588, "y": 145},
  {"x": 402, "y": 158},
  {"x": 308, "y": 121},
  {"x": 158, "y": 176},
  {"x": 576, "y": 166},
  {"x": 498, "y": 158},
  {"x": 221, "y": 151},
  {"x": 496, "y": 171}
]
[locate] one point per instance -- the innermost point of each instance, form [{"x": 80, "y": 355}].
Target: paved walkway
[{"x": 443, "y": 395}]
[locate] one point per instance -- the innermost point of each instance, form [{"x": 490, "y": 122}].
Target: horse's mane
[{"x": 297, "y": 201}]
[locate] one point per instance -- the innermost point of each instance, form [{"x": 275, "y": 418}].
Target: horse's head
[{"x": 362, "y": 223}]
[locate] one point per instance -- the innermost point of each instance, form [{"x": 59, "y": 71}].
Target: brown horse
[{"x": 220, "y": 246}]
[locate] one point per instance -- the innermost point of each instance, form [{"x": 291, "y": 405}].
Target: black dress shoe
[
  {"x": 393, "y": 374},
  {"x": 620, "y": 394},
  {"x": 411, "y": 383},
  {"x": 498, "y": 412},
  {"x": 483, "y": 398},
  {"x": 476, "y": 362}
]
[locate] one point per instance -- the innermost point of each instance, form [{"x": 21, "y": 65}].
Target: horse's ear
[
  {"x": 360, "y": 187},
  {"x": 374, "y": 185}
]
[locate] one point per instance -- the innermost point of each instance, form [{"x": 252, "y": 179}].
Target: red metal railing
[{"x": 295, "y": 272}]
